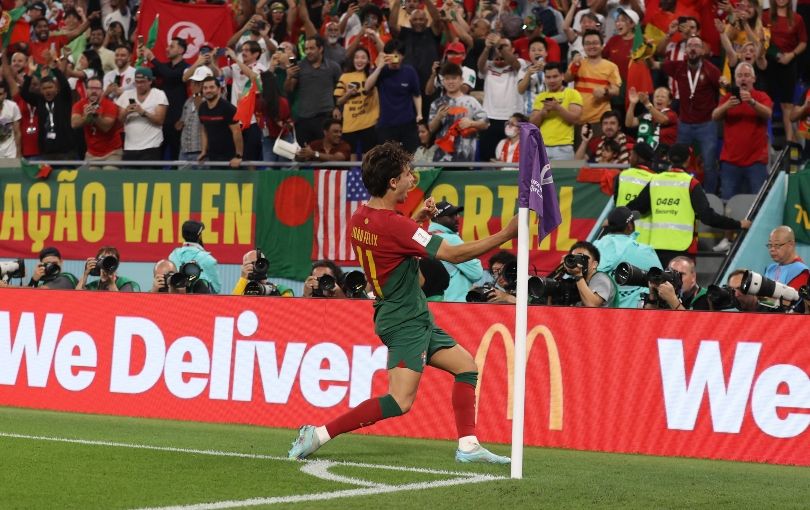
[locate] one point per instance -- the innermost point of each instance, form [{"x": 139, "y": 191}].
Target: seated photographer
[
  {"x": 254, "y": 269},
  {"x": 742, "y": 301},
  {"x": 105, "y": 266},
  {"x": 48, "y": 273},
  {"x": 596, "y": 289},
  {"x": 685, "y": 294},
  {"x": 748, "y": 291},
  {"x": 194, "y": 251},
  {"x": 160, "y": 273},
  {"x": 501, "y": 291},
  {"x": 787, "y": 267},
  {"x": 325, "y": 280}
]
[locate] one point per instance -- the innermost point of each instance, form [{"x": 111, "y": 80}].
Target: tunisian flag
[{"x": 196, "y": 23}]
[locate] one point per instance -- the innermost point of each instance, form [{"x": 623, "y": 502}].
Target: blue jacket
[
  {"x": 462, "y": 276},
  {"x": 206, "y": 261},
  {"x": 617, "y": 248}
]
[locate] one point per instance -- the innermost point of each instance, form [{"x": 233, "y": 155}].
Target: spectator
[
  {"x": 592, "y": 146},
  {"x": 672, "y": 231},
  {"x": 455, "y": 53},
  {"x": 533, "y": 31},
  {"x": 692, "y": 295},
  {"x": 48, "y": 273},
  {"x": 620, "y": 244},
  {"x": 420, "y": 37},
  {"x": 631, "y": 181},
  {"x": 596, "y": 289},
  {"x": 52, "y": 103},
  {"x": 349, "y": 24},
  {"x": 193, "y": 250},
  {"x": 359, "y": 110},
  {"x": 462, "y": 275},
  {"x": 400, "y": 97},
  {"x": 508, "y": 149},
  {"x": 173, "y": 88},
  {"x": 43, "y": 44},
  {"x": 745, "y": 114},
  {"x": 160, "y": 278},
  {"x": 556, "y": 111},
  {"x": 800, "y": 113},
  {"x": 699, "y": 82},
  {"x": 618, "y": 47},
  {"x": 275, "y": 117},
  {"x": 313, "y": 80},
  {"x": 401, "y": 13},
  {"x": 788, "y": 39},
  {"x": 530, "y": 78},
  {"x": 250, "y": 274},
  {"x": 10, "y": 134},
  {"x": 98, "y": 116},
  {"x": 456, "y": 119},
  {"x": 787, "y": 267},
  {"x": 119, "y": 14},
  {"x": 372, "y": 37},
  {"x": 595, "y": 78},
  {"x": 143, "y": 112},
  {"x": 433, "y": 279},
  {"x": 221, "y": 134},
  {"x": 122, "y": 77},
  {"x": 206, "y": 58},
  {"x": 499, "y": 69},
  {"x": 324, "y": 281},
  {"x": 587, "y": 22},
  {"x": 749, "y": 51},
  {"x": 245, "y": 71},
  {"x": 673, "y": 45},
  {"x": 258, "y": 31},
  {"x": 551, "y": 23},
  {"x": 96, "y": 42},
  {"x": 189, "y": 124},
  {"x": 14, "y": 76},
  {"x": 658, "y": 124},
  {"x": 109, "y": 279},
  {"x": 116, "y": 36},
  {"x": 281, "y": 21},
  {"x": 332, "y": 147},
  {"x": 427, "y": 149},
  {"x": 333, "y": 49},
  {"x": 614, "y": 11},
  {"x": 742, "y": 301}
]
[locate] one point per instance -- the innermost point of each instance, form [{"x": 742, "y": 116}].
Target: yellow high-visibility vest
[{"x": 673, "y": 217}]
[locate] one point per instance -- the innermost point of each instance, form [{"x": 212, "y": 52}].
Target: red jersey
[
  {"x": 745, "y": 134},
  {"x": 36, "y": 47},
  {"x": 98, "y": 142}
]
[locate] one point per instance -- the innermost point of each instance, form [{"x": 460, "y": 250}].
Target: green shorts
[{"x": 413, "y": 347}]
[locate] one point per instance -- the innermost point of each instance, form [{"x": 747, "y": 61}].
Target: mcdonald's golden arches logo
[{"x": 555, "y": 414}]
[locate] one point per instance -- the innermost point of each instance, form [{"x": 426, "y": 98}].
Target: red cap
[{"x": 455, "y": 47}]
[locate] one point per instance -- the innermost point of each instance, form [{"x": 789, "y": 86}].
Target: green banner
[{"x": 797, "y": 204}]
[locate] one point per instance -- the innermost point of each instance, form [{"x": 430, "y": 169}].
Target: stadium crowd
[{"x": 605, "y": 81}]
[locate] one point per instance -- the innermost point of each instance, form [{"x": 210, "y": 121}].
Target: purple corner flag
[{"x": 535, "y": 183}]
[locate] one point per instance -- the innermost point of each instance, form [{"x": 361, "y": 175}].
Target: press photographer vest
[
  {"x": 673, "y": 218},
  {"x": 631, "y": 182}
]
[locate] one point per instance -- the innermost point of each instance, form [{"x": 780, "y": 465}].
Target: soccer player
[{"x": 389, "y": 246}]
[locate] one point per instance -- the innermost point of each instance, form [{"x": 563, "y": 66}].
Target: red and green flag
[
  {"x": 7, "y": 22},
  {"x": 151, "y": 37},
  {"x": 638, "y": 73},
  {"x": 246, "y": 105}
]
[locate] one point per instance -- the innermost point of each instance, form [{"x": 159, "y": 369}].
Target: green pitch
[{"x": 58, "y": 460}]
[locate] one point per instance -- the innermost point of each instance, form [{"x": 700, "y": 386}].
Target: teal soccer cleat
[
  {"x": 305, "y": 444},
  {"x": 482, "y": 455}
]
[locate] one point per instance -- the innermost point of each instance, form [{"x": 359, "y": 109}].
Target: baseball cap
[
  {"x": 445, "y": 208},
  {"x": 38, "y": 6},
  {"x": 277, "y": 6},
  {"x": 192, "y": 231},
  {"x": 644, "y": 151},
  {"x": 456, "y": 47},
  {"x": 620, "y": 217},
  {"x": 144, "y": 72},
  {"x": 630, "y": 13},
  {"x": 201, "y": 73}
]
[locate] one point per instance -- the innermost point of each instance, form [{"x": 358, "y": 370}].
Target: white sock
[
  {"x": 323, "y": 435},
  {"x": 467, "y": 443}
]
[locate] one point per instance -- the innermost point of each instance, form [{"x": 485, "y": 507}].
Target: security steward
[
  {"x": 675, "y": 199},
  {"x": 630, "y": 182}
]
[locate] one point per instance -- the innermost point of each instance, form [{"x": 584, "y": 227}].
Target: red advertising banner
[{"x": 713, "y": 385}]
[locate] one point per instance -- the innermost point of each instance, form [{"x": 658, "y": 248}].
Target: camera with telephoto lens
[
  {"x": 354, "y": 284},
  {"x": 260, "y": 268},
  {"x": 480, "y": 294},
  {"x": 52, "y": 270},
  {"x": 754, "y": 284},
  {"x": 12, "y": 268},
  {"x": 804, "y": 292},
  {"x": 188, "y": 277},
  {"x": 108, "y": 263},
  {"x": 326, "y": 284},
  {"x": 256, "y": 288},
  {"x": 571, "y": 261},
  {"x": 562, "y": 291},
  {"x": 632, "y": 276},
  {"x": 721, "y": 297}
]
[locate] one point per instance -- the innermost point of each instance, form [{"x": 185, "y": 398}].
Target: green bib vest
[
  {"x": 673, "y": 218},
  {"x": 631, "y": 182}
]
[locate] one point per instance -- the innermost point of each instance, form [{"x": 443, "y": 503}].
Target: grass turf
[{"x": 48, "y": 474}]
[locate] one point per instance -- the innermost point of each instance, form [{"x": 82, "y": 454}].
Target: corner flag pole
[{"x": 521, "y": 318}]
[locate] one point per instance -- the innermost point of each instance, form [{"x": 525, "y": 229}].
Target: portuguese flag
[
  {"x": 246, "y": 105},
  {"x": 638, "y": 74},
  {"x": 8, "y": 20}
]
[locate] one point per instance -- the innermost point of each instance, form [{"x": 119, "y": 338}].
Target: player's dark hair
[{"x": 383, "y": 163}]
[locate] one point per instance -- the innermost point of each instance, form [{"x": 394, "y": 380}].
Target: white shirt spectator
[
  {"x": 264, "y": 58},
  {"x": 116, "y": 15},
  {"x": 501, "y": 98},
  {"x": 8, "y": 116},
  {"x": 127, "y": 81},
  {"x": 239, "y": 79},
  {"x": 139, "y": 133}
]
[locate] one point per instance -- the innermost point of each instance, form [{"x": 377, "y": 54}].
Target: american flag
[{"x": 339, "y": 193}]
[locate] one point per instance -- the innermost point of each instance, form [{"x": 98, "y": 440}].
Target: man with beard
[
  {"x": 420, "y": 39},
  {"x": 171, "y": 75},
  {"x": 464, "y": 274},
  {"x": 99, "y": 118},
  {"x": 698, "y": 83},
  {"x": 122, "y": 78},
  {"x": 43, "y": 42},
  {"x": 591, "y": 146},
  {"x": 685, "y": 27},
  {"x": 96, "y": 42},
  {"x": 143, "y": 112},
  {"x": 221, "y": 134},
  {"x": 52, "y": 104}
]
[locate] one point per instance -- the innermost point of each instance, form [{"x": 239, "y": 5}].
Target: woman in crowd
[{"x": 360, "y": 109}]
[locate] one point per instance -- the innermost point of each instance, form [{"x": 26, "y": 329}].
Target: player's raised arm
[{"x": 463, "y": 252}]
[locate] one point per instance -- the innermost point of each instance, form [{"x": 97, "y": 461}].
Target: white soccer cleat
[
  {"x": 481, "y": 455},
  {"x": 305, "y": 444}
]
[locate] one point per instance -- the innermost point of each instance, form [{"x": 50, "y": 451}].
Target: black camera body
[
  {"x": 52, "y": 270},
  {"x": 657, "y": 276},
  {"x": 108, "y": 263},
  {"x": 256, "y": 288},
  {"x": 632, "y": 276},
  {"x": 480, "y": 294},
  {"x": 562, "y": 292},
  {"x": 354, "y": 284},
  {"x": 721, "y": 297},
  {"x": 187, "y": 276},
  {"x": 326, "y": 283},
  {"x": 260, "y": 267},
  {"x": 571, "y": 261}
]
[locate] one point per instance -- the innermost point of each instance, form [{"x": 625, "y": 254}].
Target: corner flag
[{"x": 536, "y": 192}]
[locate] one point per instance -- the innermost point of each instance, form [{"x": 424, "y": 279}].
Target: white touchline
[{"x": 317, "y": 468}]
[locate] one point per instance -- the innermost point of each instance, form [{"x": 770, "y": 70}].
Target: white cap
[
  {"x": 201, "y": 73},
  {"x": 630, "y": 13}
]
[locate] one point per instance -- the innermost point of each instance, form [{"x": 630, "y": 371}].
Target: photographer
[
  {"x": 162, "y": 270},
  {"x": 254, "y": 269},
  {"x": 105, "y": 266},
  {"x": 193, "y": 250},
  {"x": 464, "y": 275},
  {"x": 686, "y": 296},
  {"x": 324, "y": 281},
  {"x": 48, "y": 273},
  {"x": 501, "y": 292},
  {"x": 596, "y": 289}
]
